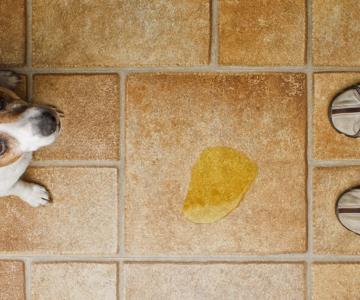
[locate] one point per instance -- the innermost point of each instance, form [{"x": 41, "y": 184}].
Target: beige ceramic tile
[
  {"x": 214, "y": 281},
  {"x": 336, "y": 32},
  {"x": 257, "y": 32},
  {"x": 12, "y": 285},
  {"x": 127, "y": 33},
  {"x": 172, "y": 118},
  {"x": 74, "y": 281},
  {"x": 91, "y": 124},
  {"x": 328, "y": 143},
  {"x": 81, "y": 220},
  {"x": 336, "y": 281},
  {"x": 330, "y": 237},
  {"x": 12, "y": 32}
]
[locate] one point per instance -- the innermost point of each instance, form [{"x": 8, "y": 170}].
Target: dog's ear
[{"x": 9, "y": 150}]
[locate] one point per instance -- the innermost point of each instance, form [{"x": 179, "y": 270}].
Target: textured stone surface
[
  {"x": 257, "y": 32},
  {"x": 82, "y": 219},
  {"x": 126, "y": 33},
  {"x": 12, "y": 32},
  {"x": 214, "y": 281},
  {"x": 172, "y": 118},
  {"x": 330, "y": 237},
  {"x": 328, "y": 143},
  {"x": 12, "y": 280},
  {"x": 336, "y": 32},
  {"x": 74, "y": 281},
  {"x": 90, "y": 129},
  {"x": 336, "y": 281}
]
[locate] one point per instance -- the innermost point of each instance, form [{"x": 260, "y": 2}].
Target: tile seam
[{"x": 309, "y": 86}]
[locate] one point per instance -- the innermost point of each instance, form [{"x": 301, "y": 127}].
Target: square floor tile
[
  {"x": 330, "y": 237},
  {"x": 214, "y": 281},
  {"x": 257, "y": 32},
  {"x": 12, "y": 277},
  {"x": 328, "y": 143},
  {"x": 121, "y": 33},
  {"x": 336, "y": 32},
  {"x": 12, "y": 32},
  {"x": 91, "y": 127},
  {"x": 336, "y": 281},
  {"x": 82, "y": 219},
  {"x": 172, "y": 118},
  {"x": 74, "y": 281}
]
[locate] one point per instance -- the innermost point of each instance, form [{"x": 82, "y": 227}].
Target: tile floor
[{"x": 145, "y": 87}]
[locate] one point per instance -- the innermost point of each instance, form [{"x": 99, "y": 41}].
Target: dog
[{"x": 24, "y": 128}]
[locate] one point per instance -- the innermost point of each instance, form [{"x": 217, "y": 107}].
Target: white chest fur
[{"x": 9, "y": 175}]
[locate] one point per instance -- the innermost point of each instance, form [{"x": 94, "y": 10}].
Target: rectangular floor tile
[
  {"x": 90, "y": 129},
  {"x": 328, "y": 143},
  {"x": 133, "y": 33},
  {"x": 174, "y": 281},
  {"x": 172, "y": 118},
  {"x": 12, "y": 32},
  {"x": 336, "y": 32},
  {"x": 336, "y": 281},
  {"x": 330, "y": 237},
  {"x": 74, "y": 281},
  {"x": 12, "y": 286},
  {"x": 256, "y": 32},
  {"x": 82, "y": 219}
]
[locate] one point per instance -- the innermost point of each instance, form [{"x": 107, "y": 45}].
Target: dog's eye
[
  {"x": 3, "y": 147},
  {"x": 2, "y": 103}
]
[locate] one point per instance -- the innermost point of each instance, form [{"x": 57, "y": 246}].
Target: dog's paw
[
  {"x": 9, "y": 79},
  {"x": 36, "y": 195}
]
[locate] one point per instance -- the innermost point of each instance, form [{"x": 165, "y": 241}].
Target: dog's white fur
[{"x": 27, "y": 141}]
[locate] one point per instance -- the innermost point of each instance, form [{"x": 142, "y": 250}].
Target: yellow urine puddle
[{"x": 219, "y": 180}]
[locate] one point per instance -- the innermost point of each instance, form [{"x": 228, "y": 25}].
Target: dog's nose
[{"x": 48, "y": 123}]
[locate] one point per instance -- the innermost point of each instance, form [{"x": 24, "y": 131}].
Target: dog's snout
[{"x": 47, "y": 123}]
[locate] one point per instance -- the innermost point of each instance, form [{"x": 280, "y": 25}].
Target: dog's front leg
[
  {"x": 31, "y": 193},
  {"x": 9, "y": 79}
]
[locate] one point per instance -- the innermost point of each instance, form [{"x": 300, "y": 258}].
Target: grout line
[
  {"x": 214, "y": 40},
  {"x": 27, "y": 263},
  {"x": 28, "y": 259},
  {"x": 191, "y": 69},
  {"x": 121, "y": 218},
  {"x": 122, "y": 162},
  {"x": 335, "y": 163},
  {"x": 309, "y": 85}
]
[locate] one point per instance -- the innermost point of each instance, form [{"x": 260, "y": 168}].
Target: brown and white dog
[{"x": 24, "y": 128}]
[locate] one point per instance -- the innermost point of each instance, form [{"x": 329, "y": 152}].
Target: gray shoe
[
  {"x": 348, "y": 209},
  {"x": 344, "y": 112}
]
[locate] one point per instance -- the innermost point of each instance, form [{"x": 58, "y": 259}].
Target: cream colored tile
[
  {"x": 336, "y": 281},
  {"x": 328, "y": 143},
  {"x": 257, "y": 33},
  {"x": 335, "y": 32},
  {"x": 74, "y": 281},
  {"x": 82, "y": 219},
  {"x": 330, "y": 237},
  {"x": 214, "y": 281},
  {"x": 90, "y": 129},
  {"x": 172, "y": 118},
  {"x": 12, "y": 286},
  {"x": 12, "y": 32},
  {"x": 121, "y": 33}
]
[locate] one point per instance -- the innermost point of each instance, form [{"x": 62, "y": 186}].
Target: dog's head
[{"x": 24, "y": 127}]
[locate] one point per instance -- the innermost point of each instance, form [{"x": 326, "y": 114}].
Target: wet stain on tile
[{"x": 220, "y": 178}]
